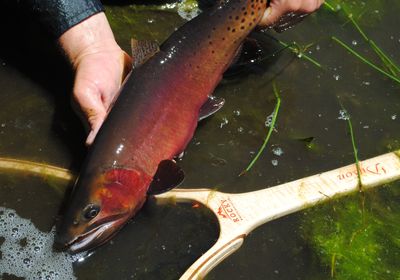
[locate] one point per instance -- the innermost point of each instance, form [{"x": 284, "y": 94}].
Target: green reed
[
  {"x": 365, "y": 60},
  {"x": 353, "y": 143},
  {"x": 393, "y": 70},
  {"x": 300, "y": 52},
  {"x": 269, "y": 133}
]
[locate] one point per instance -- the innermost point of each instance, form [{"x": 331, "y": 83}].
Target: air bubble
[
  {"x": 27, "y": 252},
  {"x": 268, "y": 120},
  {"x": 343, "y": 115},
  {"x": 278, "y": 151},
  {"x": 224, "y": 122}
]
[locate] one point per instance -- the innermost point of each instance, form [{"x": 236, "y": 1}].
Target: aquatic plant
[
  {"x": 365, "y": 60},
  {"x": 299, "y": 51},
  {"x": 269, "y": 133},
  {"x": 353, "y": 244},
  {"x": 352, "y": 14},
  {"x": 347, "y": 117}
]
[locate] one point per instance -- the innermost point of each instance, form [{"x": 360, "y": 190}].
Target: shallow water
[{"x": 36, "y": 123}]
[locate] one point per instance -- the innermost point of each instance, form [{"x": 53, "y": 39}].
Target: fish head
[{"x": 99, "y": 206}]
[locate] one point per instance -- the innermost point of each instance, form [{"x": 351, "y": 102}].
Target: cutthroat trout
[{"x": 152, "y": 121}]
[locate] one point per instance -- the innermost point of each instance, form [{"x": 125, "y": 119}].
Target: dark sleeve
[{"x": 60, "y": 15}]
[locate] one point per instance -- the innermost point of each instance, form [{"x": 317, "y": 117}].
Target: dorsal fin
[
  {"x": 211, "y": 106},
  {"x": 288, "y": 20},
  {"x": 168, "y": 176},
  {"x": 142, "y": 51}
]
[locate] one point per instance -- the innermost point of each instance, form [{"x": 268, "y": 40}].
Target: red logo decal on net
[{"x": 228, "y": 211}]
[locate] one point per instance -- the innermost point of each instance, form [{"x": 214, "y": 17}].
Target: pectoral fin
[
  {"x": 212, "y": 105},
  {"x": 142, "y": 51},
  {"x": 168, "y": 176}
]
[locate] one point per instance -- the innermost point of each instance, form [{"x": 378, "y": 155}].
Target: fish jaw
[
  {"x": 116, "y": 195},
  {"x": 94, "y": 237}
]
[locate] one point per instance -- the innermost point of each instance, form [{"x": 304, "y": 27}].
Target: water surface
[{"x": 37, "y": 123}]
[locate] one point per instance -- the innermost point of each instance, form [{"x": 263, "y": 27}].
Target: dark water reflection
[{"x": 36, "y": 123}]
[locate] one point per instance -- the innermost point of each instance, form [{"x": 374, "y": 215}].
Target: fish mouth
[{"x": 95, "y": 237}]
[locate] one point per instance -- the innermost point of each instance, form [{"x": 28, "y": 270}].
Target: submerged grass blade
[
  {"x": 271, "y": 129},
  {"x": 333, "y": 264},
  {"x": 392, "y": 67},
  {"x": 358, "y": 168},
  {"x": 295, "y": 48},
  {"x": 355, "y": 149},
  {"x": 329, "y": 6},
  {"x": 365, "y": 60}
]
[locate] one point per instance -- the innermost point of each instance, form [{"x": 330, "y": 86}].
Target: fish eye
[{"x": 91, "y": 211}]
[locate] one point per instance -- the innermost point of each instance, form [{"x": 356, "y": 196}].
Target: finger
[
  {"x": 311, "y": 6},
  {"x": 93, "y": 133},
  {"x": 278, "y": 8},
  {"x": 127, "y": 65},
  {"x": 110, "y": 90},
  {"x": 91, "y": 105},
  {"x": 268, "y": 18}
]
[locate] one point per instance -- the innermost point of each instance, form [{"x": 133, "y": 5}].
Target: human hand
[
  {"x": 100, "y": 67},
  {"x": 279, "y": 8}
]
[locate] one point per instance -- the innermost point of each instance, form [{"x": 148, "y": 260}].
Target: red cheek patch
[{"x": 123, "y": 189}]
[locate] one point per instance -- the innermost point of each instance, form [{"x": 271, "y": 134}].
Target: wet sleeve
[{"x": 60, "y": 15}]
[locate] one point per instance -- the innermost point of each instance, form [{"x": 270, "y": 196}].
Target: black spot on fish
[
  {"x": 210, "y": 42},
  {"x": 243, "y": 20},
  {"x": 228, "y": 29},
  {"x": 242, "y": 27},
  {"x": 233, "y": 30},
  {"x": 237, "y": 17},
  {"x": 243, "y": 8}
]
